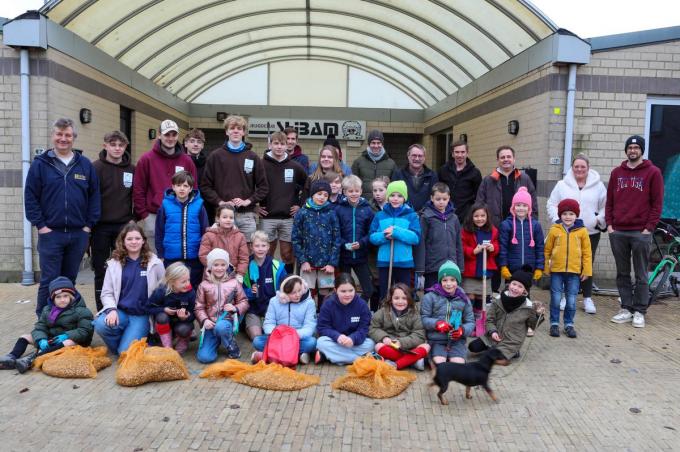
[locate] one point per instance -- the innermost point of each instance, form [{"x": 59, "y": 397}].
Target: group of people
[{"x": 175, "y": 243}]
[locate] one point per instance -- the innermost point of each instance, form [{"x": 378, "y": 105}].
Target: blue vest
[{"x": 182, "y": 226}]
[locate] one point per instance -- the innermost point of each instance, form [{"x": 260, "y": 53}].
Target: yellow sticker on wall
[{"x": 557, "y": 110}]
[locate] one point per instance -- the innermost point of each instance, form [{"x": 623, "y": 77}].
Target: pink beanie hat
[{"x": 522, "y": 197}]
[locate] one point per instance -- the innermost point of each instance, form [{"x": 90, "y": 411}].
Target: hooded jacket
[
  {"x": 463, "y": 184},
  {"x": 232, "y": 241},
  {"x": 407, "y": 327},
  {"x": 355, "y": 224},
  {"x": 350, "y": 319},
  {"x": 75, "y": 321},
  {"x": 417, "y": 196},
  {"x": 212, "y": 297},
  {"x": 515, "y": 255},
  {"x": 153, "y": 175},
  {"x": 180, "y": 226},
  {"x": 406, "y": 235},
  {"x": 439, "y": 305},
  {"x": 300, "y": 315},
  {"x": 115, "y": 188},
  {"x": 61, "y": 201},
  {"x": 568, "y": 250},
  {"x": 634, "y": 197},
  {"x": 155, "y": 271},
  {"x": 287, "y": 180},
  {"x": 490, "y": 193},
  {"x": 591, "y": 199},
  {"x": 441, "y": 239},
  {"x": 367, "y": 170},
  {"x": 316, "y": 235},
  {"x": 268, "y": 277},
  {"x": 511, "y": 326}
]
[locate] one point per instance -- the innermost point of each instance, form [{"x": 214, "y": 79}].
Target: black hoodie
[
  {"x": 115, "y": 186},
  {"x": 463, "y": 185}
]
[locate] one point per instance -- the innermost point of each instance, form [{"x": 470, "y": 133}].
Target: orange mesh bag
[
  {"x": 374, "y": 378},
  {"x": 271, "y": 376},
  {"x": 73, "y": 362},
  {"x": 143, "y": 364}
]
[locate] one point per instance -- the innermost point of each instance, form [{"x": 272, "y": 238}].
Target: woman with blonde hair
[{"x": 328, "y": 161}]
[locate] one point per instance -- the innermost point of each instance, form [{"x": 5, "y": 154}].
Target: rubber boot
[
  {"x": 478, "y": 314},
  {"x": 182, "y": 344},
  {"x": 24, "y": 364},
  {"x": 166, "y": 340}
]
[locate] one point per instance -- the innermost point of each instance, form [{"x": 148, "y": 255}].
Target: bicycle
[{"x": 662, "y": 282}]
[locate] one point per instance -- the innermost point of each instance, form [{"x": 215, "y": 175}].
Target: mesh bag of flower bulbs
[
  {"x": 270, "y": 376},
  {"x": 142, "y": 364},
  {"x": 73, "y": 362},
  {"x": 374, "y": 378}
]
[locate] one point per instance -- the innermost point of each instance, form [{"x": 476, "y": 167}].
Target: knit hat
[
  {"x": 217, "y": 254},
  {"x": 449, "y": 268},
  {"x": 320, "y": 185},
  {"x": 568, "y": 205},
  {"x": 331, "y": 140},
  {"x": 61, "y": 284},
  {"x": 635, "y": 139},
  {"x": 398, "y": 186},
  {"x": 523, "y": 276},
  {"x": 522, "y": 197},
  {"x": 375, "y": 134}
]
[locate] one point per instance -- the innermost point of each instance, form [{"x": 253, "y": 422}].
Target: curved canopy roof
[{"x": 426, "y": 48}]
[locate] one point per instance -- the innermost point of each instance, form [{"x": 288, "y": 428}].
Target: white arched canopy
[{"x": 426, "y": 48}]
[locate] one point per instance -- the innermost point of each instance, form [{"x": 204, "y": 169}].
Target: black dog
[{"x": 468, "y": 374}]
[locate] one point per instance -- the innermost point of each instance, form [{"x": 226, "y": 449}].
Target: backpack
[{"x": 283, "y": 346}]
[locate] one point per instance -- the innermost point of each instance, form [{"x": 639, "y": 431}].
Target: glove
[
  {"x": 538, "y": 274},
  {"x": 59, "y": 339},
  {"x": 43, "y": 344},
  {"x": 457, "y": 334},
  {"x": 420, "y": 281},
  {"x": 505, "y": 273},
  {"x": 442, "y": 326}
]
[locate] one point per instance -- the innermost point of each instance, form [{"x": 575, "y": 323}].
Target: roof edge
[{"x": 634, "y": 38}]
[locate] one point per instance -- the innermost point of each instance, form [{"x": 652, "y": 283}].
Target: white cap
[{"x": 168, "y": 125}]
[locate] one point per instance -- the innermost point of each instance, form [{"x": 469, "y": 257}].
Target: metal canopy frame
[{"x": 428, "y": 49}]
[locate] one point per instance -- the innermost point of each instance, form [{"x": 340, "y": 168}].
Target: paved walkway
[{"x": 566, "y": 395}]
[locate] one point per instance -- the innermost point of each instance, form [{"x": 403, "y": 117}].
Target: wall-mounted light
[
  {"x": 513, "y": 127},
  {"x": 152, "y": 134},
  {"x": 221, "y": 116},
  {"x": 463, "y": 137},
  {"x": 85, "y": 116}
]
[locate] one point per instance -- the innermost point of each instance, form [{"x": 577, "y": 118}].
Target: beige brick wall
[{"x": 657, "y": 60}]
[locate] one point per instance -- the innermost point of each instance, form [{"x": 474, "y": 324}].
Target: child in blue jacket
[
  {"x": 355, "y": 216},
  {"x": 396, "y": 222}
]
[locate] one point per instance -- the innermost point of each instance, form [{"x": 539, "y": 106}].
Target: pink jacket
[
  {"x": 114, "y": 275},
  {"x": 233, "y": 242},
  {"x": 211, "y": 298}
]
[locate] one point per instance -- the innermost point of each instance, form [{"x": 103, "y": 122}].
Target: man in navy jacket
[{"x": 62, "y": 201}]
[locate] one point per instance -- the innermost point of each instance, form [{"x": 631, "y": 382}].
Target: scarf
[
  {"x": 373, "y": 157},
  {"x": 511, "y": 303},
  {"x": 312, "y": 205},
  {"x": 54, "y": 313},
  {"x": 240, "y": 148}
]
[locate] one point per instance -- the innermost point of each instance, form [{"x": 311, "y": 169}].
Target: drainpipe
[
  {"x": 27, "y": 275},
  {"x": 569, "y": 132}
]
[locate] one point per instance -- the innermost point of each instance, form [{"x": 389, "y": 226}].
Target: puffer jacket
[
  {"x": 355, "y": 223},
  {"x": 511, "y": 326},
  {"x": 441, "y": 239},
  {"x": 406, "y": 235},
  {"x": 316, "y": 235},
  {"x": 407, "y": 328},
  {"x": 211, "y": 298},
  {"x": 437, "y": 305},
  {"x": 232, "y": 241},
  {"x": 568, "y": 250},
  {"x": 180, "y": 226},
  {"x": 490, "y": 193},
  {"x": 514, "y": 256},
  {"x": 592, "y": 199},
  {"x": 300, "y": 315},
  {"x": 367, "y": 170},
  {"x": 75, "y": 321}
]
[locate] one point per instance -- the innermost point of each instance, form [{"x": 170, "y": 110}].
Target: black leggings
[{"x": 181, "y": 328}]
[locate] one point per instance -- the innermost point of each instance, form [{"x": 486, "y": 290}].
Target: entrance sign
[{"x": 310, "y": 128}]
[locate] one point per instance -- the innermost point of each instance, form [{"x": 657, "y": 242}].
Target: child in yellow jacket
[{"x": 568, "y": 261}]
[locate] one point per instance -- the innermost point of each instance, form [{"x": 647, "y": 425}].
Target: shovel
[{"x": 480, "y": 323}]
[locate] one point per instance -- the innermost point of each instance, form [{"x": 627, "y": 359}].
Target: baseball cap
[{"x": 168, "y": 125}]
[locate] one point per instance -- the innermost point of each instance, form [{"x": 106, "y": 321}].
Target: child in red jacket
[{"x": 478, "y": 234}]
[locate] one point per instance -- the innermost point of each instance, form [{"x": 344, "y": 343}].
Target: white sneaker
[
  {"x": 623, "y": 316},
  {"x": 639, "y": 320},
  {"x": 419, "y": 365},
  {"x": 589, "y": 306},
  {"x": 563, "y": 304},
  {"x": 304, "y": 358}
]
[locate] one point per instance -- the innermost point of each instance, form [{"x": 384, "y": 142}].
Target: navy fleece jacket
[{"x": 351, "y": 319}]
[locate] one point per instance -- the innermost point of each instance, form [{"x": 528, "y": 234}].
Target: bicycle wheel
[{"x": 657, "y": 285}]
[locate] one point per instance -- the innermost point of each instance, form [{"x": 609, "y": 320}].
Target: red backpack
[{"x": 283, "y": 346}]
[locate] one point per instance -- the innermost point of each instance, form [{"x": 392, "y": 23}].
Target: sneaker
[
  {"x": 639, "y": 320},
  {"x": 420, "y": 364},
  {"x": 623, "y": 316},
  {"x": 7, "y": 362},
  {"x": 24, "y": 364},
  {"x": 563, "y": 304},
  {"x": 530, "y": 332},
  {"x": 589, "y": 306},
  {"x": 304, "y": 358},
  {"x": 570, "y": 332},
  {"x": 391, "y": 363},
  {"x": 554, "y": 331},
  {"x": 319, "y": 357},
  {"x": 256, "y": 357},
  {"x": 233, "y": 351}
]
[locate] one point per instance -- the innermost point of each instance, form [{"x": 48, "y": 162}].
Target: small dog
[{"x": 468, "y": 374}]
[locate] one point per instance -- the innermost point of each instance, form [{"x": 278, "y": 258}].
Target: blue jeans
[
  {"x": 222, "y": 334},
  {"x": 60, "y": 254},
  {"x": 118, "y": 338},
  {"x": 307, "y": 344},
  {"x": 339, "y": 354},
  {"x": 567, "y": 283}
]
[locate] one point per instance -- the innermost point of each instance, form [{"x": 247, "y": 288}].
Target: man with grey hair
[
  {"x": 62, "y": 201},
  {"x": 418, "y": 177}
]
